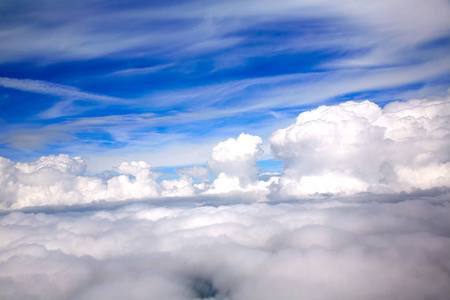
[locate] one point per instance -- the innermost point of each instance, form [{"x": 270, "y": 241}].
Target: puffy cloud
[
  {"x": 61, "y": 163},
  {"x": 137, "y": 181},
  {"x": 355, "y": 249},
  {"x": 338, "y": 150},
  {"x": 371, "y": 245},
  {"x": 61, "y": 180},
  {"x": 181, "y": 187},
  {"x": 420, "y": 131},
  {"x": 237, "y": 157},
  {"x": 359, "y": 147},
  {"x": 226, "y": 185},
  {"x": 234, "y": 163}
]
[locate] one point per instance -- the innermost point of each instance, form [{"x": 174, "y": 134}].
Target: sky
[
  {"x": 224, "y": 149},
  {"x": 116, "y": 82}
]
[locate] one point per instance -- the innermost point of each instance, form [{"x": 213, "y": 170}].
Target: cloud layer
[
  {"x": 191, "y": 28},
  {"x": 361, "y": 211},
  {"x": 339, "y": 250},
  {"x": 353, "y": 147}
]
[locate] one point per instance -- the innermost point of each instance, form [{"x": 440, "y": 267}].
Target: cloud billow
[
  {"x": 159, "y": 179},
  {"x": 61, "y": 180},
  {"x": 361, "y": 211},
  {"x": 365, "y": 250},
  {"x": 339, "y": 150},
  {"x": 359, "y": 147}
]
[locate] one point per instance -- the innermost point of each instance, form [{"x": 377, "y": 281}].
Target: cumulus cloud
[
  {"x": 337, "y": 150},
  {"x": 359, "y": 147},
  {"x": 233, "y": 162},
  {"x": 314, "y": 250},
  {"x": 61, "y": 180},
  {"x": 370, "y": 241},
  {"x": 184, "y": 186},
  {"x": 237, "y": 157}
]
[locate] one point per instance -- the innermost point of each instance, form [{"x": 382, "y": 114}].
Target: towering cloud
[
  {"x": 420, "y": 132},
  {"x": 338, "y": 150},
  {"x": 237, "y": 157},
  {"x": 352, "y": 246},
  {"x": 359, "y": 147},
  {"x": 233, "y": 162}
]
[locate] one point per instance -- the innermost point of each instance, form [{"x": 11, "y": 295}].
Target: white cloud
[
  {"x": 61, "y": 163},
  {"x": 181, "y": 187},
  {"x": 369, "y": 245},
  {"x": 359, "y": 147},
  {"x": 67, "y": 93},
  {"x": 332, "y": 150},
  {"x": 237, "y": 157},
  {"x": 142, "y": 183},
  {"x": 316, "y": 250},
  {"x": 234, "y": 163},
  {"x": 387, "y": 28},
  {"x": 141, "y": 71},
  {"x": 49, "y": 88},
  {"x": 61, "y": 180}
]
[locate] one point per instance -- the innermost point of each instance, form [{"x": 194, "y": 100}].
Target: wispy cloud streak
[{"x": 53, "y": 89}]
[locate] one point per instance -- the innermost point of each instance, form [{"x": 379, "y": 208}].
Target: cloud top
[
  {"x": 359, "y": 147},
  {"x": 338, "y": 150},
  {"x": 237, "y": 158},
  {"x": 359, "y": 250}
]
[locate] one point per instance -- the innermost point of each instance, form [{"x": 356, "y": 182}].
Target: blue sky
[
  {"x": 224, "y": 149},
  {"x": 165, "y": 81}
]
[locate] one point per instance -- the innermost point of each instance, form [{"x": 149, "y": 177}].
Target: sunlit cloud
[
  {"x": 259, "y": 251},
  {"x": 344, "y": 149},
  {"x": 225, "y": 150}
]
